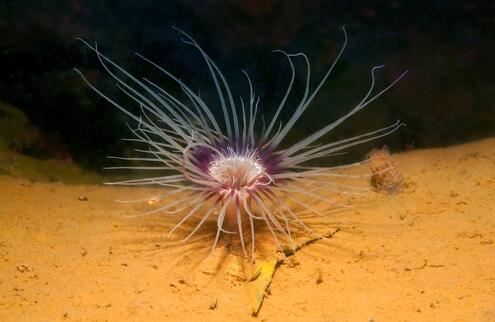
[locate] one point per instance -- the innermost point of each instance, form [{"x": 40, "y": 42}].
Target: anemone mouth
[{"x": 238, "y": 171}]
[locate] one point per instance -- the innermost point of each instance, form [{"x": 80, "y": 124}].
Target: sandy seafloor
[{"x": 425, "y": 254}]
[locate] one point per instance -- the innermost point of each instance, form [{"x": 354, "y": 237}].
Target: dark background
[{"x": 447, "y": 46}]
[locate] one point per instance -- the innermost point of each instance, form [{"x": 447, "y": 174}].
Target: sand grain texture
[{"x": 425, "y": 254}]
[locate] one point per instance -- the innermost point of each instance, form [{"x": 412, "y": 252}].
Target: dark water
[{"x": 447, "y": 46}]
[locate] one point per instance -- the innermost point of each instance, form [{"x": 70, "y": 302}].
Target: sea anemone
[{"x": 227, "y": 170}]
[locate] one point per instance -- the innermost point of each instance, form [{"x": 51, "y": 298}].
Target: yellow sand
[{"x": 426, "y": 254}]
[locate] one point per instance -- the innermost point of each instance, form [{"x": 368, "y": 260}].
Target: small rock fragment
[
  {"x": 213, "y": 305},
  {"x": 22, "y": 268},
  {"x": 319, "y": 277},
  {"x": 153, "y": 200}
]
